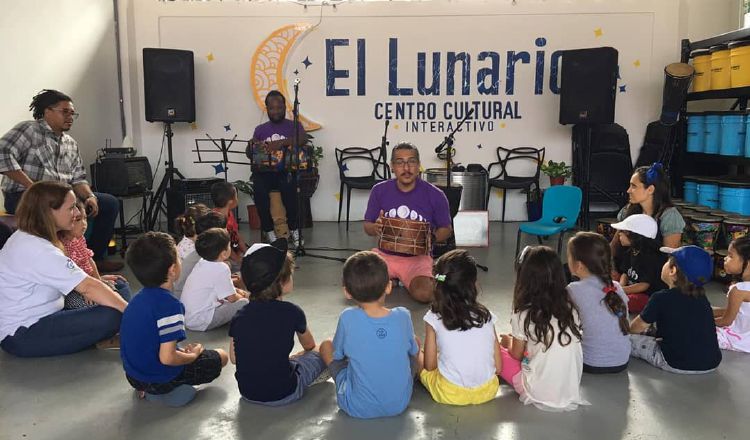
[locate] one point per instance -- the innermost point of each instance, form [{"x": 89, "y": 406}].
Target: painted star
[
  {"x": 344, "y": 168},
  {"x": 337, "y": 196},
  {"x": 210, "y": 57},
  {"x": 307, "y": 62},
  {"x": 228, "y": 127},
  {"x": 296, "y": 72},
  {"x": 218, "y": 168},
  {"x": 395, "y": 126},
  {"x": 479, "y": 146},
  {"x": 502, "y": 125},
  {"x": 637, "y": 63},
  {"x": 622, "y": 88},
  {"x": 598, "y": 32}
]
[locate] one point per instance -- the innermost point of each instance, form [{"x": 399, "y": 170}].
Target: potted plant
[
  {"x": 246, "y": 187},
  {"x": 557, "y": 172}
]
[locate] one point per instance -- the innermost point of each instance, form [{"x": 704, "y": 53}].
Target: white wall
[{"x": 66, "y": 45}]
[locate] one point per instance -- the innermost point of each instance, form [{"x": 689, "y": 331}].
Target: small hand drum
[{"x": 405, "y": 236}]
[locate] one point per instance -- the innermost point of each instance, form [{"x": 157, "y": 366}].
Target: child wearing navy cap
[{"x": 685, "y": 339}]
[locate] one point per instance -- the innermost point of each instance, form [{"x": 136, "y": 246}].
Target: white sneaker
[
  {"x": 294, "y": 239},
  {"x": 271, "y": 236}
]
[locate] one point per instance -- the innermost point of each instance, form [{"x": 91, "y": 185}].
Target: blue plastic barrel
[
  {"x": 696, "y": 133},
  {"x": 732, "y": 135},
  {"x": 691, "y": 191},
  {"x": 708, "y": 194},
  {"x": 712, "y": 138},
  {"x": 735, "y": 197},
  {"x": 747, "y": 134}
]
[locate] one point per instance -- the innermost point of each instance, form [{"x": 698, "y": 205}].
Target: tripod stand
[{"x": 157, "y": 200}]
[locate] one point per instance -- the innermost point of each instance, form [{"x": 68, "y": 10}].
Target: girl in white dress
[{"x": 733, "y": 321}]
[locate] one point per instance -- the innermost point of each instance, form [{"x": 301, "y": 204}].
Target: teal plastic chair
[{"x": 560, "y": 209}]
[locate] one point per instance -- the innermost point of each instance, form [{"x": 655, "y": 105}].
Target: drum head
[{"x": 679, "y": 70}]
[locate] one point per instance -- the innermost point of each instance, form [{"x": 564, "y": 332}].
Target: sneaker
[
  {"x": 271, "y": 236},
  {"x": 180, "y": 396},
  {"x": 294, "y": 239},
  {"x": 324, "y": 376}
]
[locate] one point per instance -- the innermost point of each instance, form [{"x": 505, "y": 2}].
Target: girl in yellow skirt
[{"x": 461, "y": 354}]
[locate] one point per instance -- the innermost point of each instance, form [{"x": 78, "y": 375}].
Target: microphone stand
[
  {"x": 300, "y": 251},
  {"x": 447, "y": 144},
  {"x": 384, "y": 152}
]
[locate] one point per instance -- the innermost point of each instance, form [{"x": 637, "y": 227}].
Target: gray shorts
[
  {"x": 307, "y": 366},
  {"x": 647, "y": 348}
]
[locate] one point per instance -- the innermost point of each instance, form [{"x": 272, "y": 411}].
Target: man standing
[
  {"x": 273, "y": 167},
  {"x": 42, "y": 150},
  {"x": 409, "y": 197}
]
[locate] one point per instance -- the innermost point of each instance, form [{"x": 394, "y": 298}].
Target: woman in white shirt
[{"x": 35, "y": 276}]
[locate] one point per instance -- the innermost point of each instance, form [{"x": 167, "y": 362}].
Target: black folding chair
[
  {"x": 378, "y": 172},
  {"x": 505, "y": 181}
]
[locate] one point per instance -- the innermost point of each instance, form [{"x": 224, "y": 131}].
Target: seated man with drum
[{"x": 407, "y": 214}]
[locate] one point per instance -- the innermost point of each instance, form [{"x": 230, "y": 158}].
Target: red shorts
[
  {"x": 637, "y": 302},
  {"x": 406, "y": 268}
]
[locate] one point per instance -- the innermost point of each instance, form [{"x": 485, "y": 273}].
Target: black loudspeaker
[
  {"x": 186, "y": 192},
  {"x": 122, "y": 176},
  {"x": 588, "y": 86},
  {"x": 169, "y": 85}
]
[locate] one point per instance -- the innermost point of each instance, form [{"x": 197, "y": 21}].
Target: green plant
[
  {"x": 316, "y": 152},
  {"x": 557, "y": 169},
  {"x": 244, "y": 186}
]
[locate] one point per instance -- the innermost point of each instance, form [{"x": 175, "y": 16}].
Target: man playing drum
[{"x": 408, "y": 197}]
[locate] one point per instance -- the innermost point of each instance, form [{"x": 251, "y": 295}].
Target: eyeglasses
[
  {"x": 66, "y": 112},
  {"x": 412, "y": 162}
]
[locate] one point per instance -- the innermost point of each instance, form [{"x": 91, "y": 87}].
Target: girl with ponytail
[
  {"x": 602, "y": 304},
  {"x": 184, "y": 225}
]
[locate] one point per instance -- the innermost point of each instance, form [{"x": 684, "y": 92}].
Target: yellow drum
[
  {"x": 739, "y": 56},
  {"x": 720, "y": 67},
  {"x": 702, "y": 66}
]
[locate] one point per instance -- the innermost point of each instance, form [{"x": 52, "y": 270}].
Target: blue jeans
[
  {"x": 64, "y": 332},
  {"x": 101, "y": 227}
]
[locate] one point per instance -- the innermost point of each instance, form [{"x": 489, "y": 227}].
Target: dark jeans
[
  {"x": 204, "y": 369},
  {"x": 263, "y": 184},
  {"x": 102, "y": 226},
  {"x": 604, "y": 370},
  {"x": 64, "y": 332}
]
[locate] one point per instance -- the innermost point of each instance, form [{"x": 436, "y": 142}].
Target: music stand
[{"x": 221, "y": 147}]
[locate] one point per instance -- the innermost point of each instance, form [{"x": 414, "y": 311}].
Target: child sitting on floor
[
  {"x": 601, "y": 303},
  {"x": 373, "y": 356},
  {"x": 153, "y": 324},
  {"x": 638, "y": 233},
  {"x": 212, "y": 219},
  {"x": 209, "y": 296},
  {"x": 262, "y": 333},
  {"x": 733, "y": 321},
  {"x": 685, "y": 340},
  {"x": 224, "y": 196},
  {"x": 184, "y": 225},
  {"x": 77, "y": 250},
  {"x": 461, "y": 355},
  {"x": 542, "y": 357}
]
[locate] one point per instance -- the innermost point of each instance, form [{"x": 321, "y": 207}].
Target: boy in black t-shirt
[
  {"x": 642, "y": 276},
  {"x": 262, "y": 333},
  {"x": 685, "y": 339}
]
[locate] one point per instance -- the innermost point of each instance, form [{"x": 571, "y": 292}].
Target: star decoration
[
  {"x": 637, "y": 63},
  {"x": 337, "y": 196},
  {"x": 228, "y": 127},
  {"x": 218, "y": 168},
  {"x": 307, "y": 62},
  {"x": 502, "y": 125},
  {"x": 479, "y": 146},
  {"x": 344, "y": 168},
  {"x": 210, "y": 57},
  {"x": 194, "y": 125},
  {"x": 622, "y": 88},
  {"x": 598, "y": 32},
  {"x": 395, "y": 126},
  {"x": 296, "y": 72}
]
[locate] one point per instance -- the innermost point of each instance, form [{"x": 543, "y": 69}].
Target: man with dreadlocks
[{"x": 42, "y": 150}]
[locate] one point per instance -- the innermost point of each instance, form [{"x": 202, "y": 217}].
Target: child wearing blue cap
[{"x": 685, "y": 340}]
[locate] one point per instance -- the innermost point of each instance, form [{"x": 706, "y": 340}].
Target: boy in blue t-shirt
[
  {"x": 153, "y": 324},
  {"x": 372, "y": 357}
]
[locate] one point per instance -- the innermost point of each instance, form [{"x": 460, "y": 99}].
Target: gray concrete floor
[{"x": 85, "y": 395}]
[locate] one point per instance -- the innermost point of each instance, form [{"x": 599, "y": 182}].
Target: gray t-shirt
[{"x": 604, "y": 345}]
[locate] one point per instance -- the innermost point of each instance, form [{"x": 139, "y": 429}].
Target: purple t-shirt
[
  {"x": 425, "y": 203},
  {"x": 271, "y": 131}
]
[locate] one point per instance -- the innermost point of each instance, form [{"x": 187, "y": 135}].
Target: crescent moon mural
[{"x": 267, "y": 67}]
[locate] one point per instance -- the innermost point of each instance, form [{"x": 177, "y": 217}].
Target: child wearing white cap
[{"x": 638, "y": 232}]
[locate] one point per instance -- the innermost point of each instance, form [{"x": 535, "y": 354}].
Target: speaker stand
[{"x": 157, "y": 201}]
